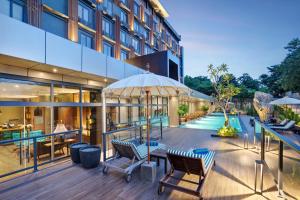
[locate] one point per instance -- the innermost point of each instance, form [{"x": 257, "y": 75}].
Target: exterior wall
[{"x": 173, "y": 116}]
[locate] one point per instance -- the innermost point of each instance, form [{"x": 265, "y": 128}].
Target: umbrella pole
[{"x": 148, "y": 127}]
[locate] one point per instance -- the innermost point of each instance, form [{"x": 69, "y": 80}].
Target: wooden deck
[{"x": 231, "y": 178}]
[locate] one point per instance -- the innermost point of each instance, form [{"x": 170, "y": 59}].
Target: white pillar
[{"x": 103, "y": 112}]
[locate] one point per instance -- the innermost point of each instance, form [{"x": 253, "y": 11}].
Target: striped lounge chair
[
  {"x": 136, "y": 155},
  {"x": 189, "y": 163}
]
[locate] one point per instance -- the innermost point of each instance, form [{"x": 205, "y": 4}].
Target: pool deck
[{"x": 231, "y": 178}]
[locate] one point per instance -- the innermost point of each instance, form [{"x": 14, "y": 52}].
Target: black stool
[
  {"x": 75, "y": 151},
  {"x": 90, "y": 156}
]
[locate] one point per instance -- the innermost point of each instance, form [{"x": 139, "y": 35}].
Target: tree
[
  {"x": 290, "y": 78},
  {"x": 224, "y": 89},
  {"x": 199, "y": 83}
]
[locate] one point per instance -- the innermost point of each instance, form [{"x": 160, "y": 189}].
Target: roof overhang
[{"x": 158, "y": 7}]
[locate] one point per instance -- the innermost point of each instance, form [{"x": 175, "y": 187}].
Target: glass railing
[
  {"x": 23, "y": 155},
  {"x": 137, "y": 133},
  {"x": 281, "y": 154}
]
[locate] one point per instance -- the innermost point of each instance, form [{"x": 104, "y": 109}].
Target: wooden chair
[{"x": 189, "y": 163}]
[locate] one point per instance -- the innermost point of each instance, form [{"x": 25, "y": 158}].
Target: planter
[{"x": 219, "y": 136}]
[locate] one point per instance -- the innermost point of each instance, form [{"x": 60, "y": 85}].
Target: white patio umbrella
[
  {"x": 285, "y": 101},
  {"x": 144, "y": 84}
]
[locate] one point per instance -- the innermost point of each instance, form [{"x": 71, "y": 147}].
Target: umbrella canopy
[
  {"x": 144, "y": 84},
  {"x": 137, "y": 85},
  {"x": 285, "y": 101}
]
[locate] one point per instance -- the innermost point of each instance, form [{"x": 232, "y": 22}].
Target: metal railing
[
  {"x": 27, "y": 143},
  {"x": 281, "y": 155},
  {"x": 136, "y": 132}
]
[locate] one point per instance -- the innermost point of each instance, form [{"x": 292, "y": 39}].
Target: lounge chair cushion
[
  {"x": 141, "y": 150},
  {"x": 207, "y": 158}
]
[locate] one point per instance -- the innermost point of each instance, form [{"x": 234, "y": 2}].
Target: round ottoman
[
  {"x": 90, "y": 156},
  {"x": 75, "y": 151}
]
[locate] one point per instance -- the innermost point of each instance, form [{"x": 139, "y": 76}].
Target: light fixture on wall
[{"x": 54, "y": 70}]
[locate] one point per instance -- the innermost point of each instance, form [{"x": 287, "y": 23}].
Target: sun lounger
[
  {"x": 189, "y": 163},
  {"x": 288, "y": 126},
  {"x": 136, "y": 155},
  {"x": 282, "y": 123}
]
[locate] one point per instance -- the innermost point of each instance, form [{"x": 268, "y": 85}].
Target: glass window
[
  {"x": 85, "y": 14},
  {"x": 124, "y": 55},
  {"x": 136, "y": 45},
  {"x": 86, "y": 39},
  {"x": 107, "y": 28},
  {"x": 13, "y": 9},
  {"x": 147, "y": 50},
  {"x": 136, "y": 26},
  {"x": 108, "y": 6},
  {"x": 54, "y": 24},
  {"x": 61, "y": 5},
  {"x": 64, "y": 93},
  {"x": 125, "y": 2},
  {"x": 108, "y": 49},
  {"x": 5, "y": 7},
  {"x": 147, "y": 35},
  {"x": 136, "y": 9},
  {"x": 17, "y": 12},
  {"x": 147, "y": 19},
  {"x": 124, "y": 17}
]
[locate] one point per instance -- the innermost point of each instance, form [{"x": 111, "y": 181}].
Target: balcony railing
[
  {"x": 110, "y": 8},
  {"x": 28, "y": 150},
  {"x": 281, "y": 155},
  {"x": 136, "y": 132}
]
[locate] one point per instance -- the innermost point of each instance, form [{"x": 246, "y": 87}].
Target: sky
[{"x": 248, "y": 35}]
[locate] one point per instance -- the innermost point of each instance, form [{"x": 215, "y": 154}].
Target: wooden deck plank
[{"x": 231, "y": 178}]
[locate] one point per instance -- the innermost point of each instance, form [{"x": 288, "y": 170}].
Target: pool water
[{"x": 213, "y": 121}]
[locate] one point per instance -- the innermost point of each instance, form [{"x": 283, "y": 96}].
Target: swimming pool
[{"x": 213, "y": 121}]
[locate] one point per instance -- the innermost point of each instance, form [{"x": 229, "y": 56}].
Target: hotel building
[{"x": 56, "y": 56}]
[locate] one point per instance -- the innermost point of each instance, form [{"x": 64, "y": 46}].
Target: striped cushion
[
  {"x": 208, "y": 158},
  {"x": 140, "y": 151}
]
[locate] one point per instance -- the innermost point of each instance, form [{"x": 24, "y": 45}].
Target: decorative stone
[{"x": 148, "y": 171}]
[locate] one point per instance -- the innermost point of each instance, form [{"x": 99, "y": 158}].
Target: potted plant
[{"x": 182, "y": 110}]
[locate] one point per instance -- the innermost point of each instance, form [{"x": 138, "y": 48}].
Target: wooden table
[{"x": 160, "y": 154}]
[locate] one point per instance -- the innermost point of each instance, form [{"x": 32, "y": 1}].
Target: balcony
[
  {"x": 43, "y": 48},
  {"x": 110, "y": 8}
]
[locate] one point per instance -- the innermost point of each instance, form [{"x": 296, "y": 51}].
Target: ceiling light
[
  {"x": 17, "y": 86},
  {"x": 105, "y": 80},
  {"x": 54, "y": 70}
]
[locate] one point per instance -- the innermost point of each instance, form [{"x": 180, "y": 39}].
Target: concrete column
[
  {"x": 73, "y": 20},
  {"x": 173, "y": 116}
]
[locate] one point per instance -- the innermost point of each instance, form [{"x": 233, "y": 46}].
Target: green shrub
[
  {"x": 287, "y": 114},
  {"x": 182, "y": 110},
  {"x": 204, "y": 108},
  {"x": 227, "y": 131}
]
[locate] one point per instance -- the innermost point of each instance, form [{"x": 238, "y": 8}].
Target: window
[
  {"x": 125, "y": 2},
  {"x": 155, "y": 41},
  {"x": 147, "y": 50},
  {"x": 85, "y": 14},
  {"x": 147, "y": 35},
  {"x": 155, "y": 26},
  {"x": 108, "y": 49},
  {"x": 108, "y": 6},
  {"x": 136, "y": 45},
  {"x": 136, "y": 9},
  {"x": 136, "y": 26},
  {"x": 54, "y": 24},
  {"x": 107, "y": 28},
  {"x": 86, "y": 39},
  {"x": 14, "y": 9},
  {"x": 124, "y": 17},
  {"x": 147, "y": 19},
  {"x": 124, "y": 55},
  {"x": 61, "y": 5},
  {"x": 125, "y": 39}
]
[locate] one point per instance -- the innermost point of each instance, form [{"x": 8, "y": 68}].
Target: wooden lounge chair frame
[{"x": 189, "y": 165}]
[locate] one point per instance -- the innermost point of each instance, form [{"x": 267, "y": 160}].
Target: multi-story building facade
[{"x": 122, "y": 29}]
